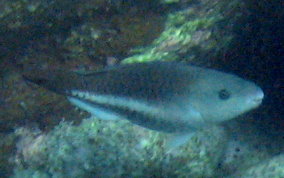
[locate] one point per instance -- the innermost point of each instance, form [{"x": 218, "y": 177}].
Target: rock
[
  {"x": 115, "y": 149},
  {"x": 273, "y": 167}
]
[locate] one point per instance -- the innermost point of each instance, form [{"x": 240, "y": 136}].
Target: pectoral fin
[{"x": 177, "y": 140}]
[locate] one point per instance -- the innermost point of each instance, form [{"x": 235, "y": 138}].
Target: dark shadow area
[{"x": 258, "y": 56}]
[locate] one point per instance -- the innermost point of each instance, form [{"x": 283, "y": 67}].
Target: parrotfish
[{"x": 163, "y": 96}]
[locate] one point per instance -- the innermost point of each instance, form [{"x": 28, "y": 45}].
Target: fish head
[{"x": 219, "y": 96}]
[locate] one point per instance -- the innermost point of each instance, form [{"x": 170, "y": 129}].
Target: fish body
[{"x": 163, "y": 96}]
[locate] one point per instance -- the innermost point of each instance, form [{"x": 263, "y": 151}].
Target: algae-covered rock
[
  {"x": 100, "y": 37},
  {"x": 25, "y": 21},
  {"x": 273, "y": 167},
  {"x": 246, "y": 146},
  {"x": 115, "y": 149},
  {"x": 19, "y": 14},
  {"x": 200, "y": 31},
  {"x": 6, "y": 145}
]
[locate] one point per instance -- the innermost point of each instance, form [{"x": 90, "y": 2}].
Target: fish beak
[{"x": 256, "y": 100}]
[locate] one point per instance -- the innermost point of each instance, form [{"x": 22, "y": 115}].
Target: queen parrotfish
[{"x": 164, "y": 96}]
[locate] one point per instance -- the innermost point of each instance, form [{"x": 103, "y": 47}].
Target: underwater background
[{"x": 43, "y": 136}]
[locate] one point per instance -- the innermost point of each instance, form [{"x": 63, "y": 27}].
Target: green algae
[{"x": 179, "y": 36}]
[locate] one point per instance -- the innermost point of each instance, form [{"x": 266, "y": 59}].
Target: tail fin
[{"x": 58, "y": 81}]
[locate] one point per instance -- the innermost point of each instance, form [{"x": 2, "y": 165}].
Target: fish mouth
[{"x": 257, "y": 98}]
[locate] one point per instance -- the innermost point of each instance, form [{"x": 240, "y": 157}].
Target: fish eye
[{"x": 224, "y": 94}]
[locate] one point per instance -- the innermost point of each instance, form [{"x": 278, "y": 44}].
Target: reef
[{"x": 86, "y": 35}]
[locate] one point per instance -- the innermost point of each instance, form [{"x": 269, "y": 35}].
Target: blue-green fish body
[{"x": 163, "y": 96}]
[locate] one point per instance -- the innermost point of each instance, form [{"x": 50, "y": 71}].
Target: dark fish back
[{"x": 149, "y": 81}]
